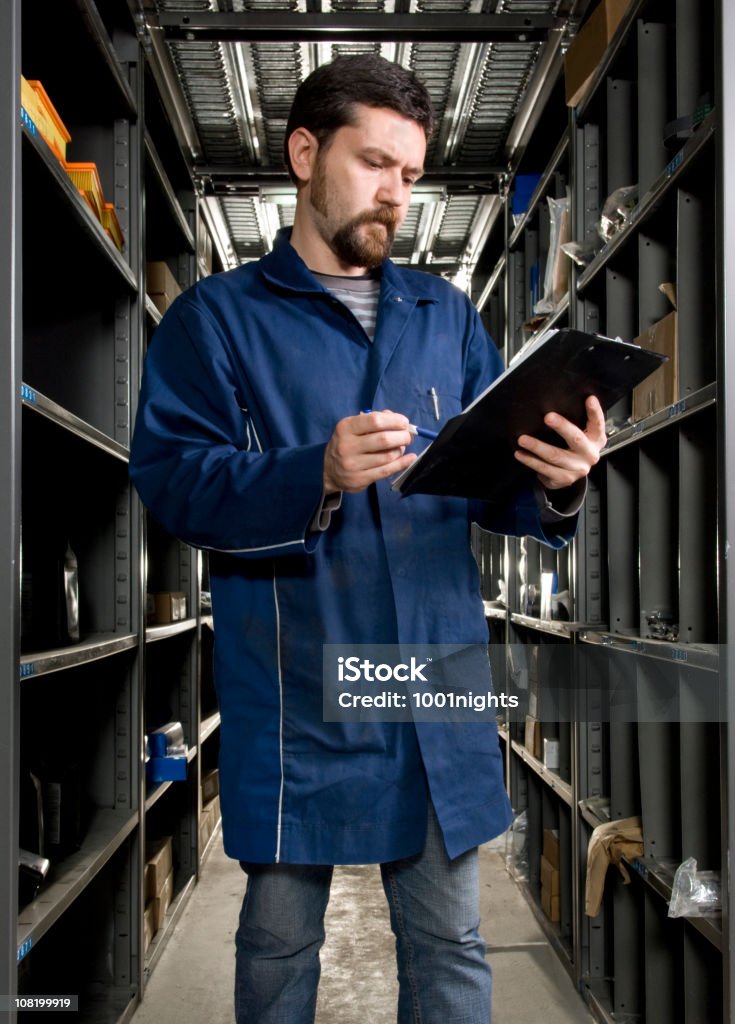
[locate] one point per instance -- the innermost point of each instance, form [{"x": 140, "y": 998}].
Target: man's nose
[{"x": 391, "y": 192}]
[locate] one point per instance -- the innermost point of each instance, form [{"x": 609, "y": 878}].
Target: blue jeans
[{"x": 434, "y": 911}]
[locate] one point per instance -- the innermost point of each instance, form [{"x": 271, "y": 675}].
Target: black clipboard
[{"x": 473, "y": 455}]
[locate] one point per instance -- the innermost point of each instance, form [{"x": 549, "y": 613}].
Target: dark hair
[{"x": 325, "y": 100}]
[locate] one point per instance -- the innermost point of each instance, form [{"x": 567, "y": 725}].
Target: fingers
[
  {"x": 366, "y": 448},
  {"x": 561, "y": 467}
]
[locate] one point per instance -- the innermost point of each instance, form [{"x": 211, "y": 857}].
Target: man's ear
[{"x": 302, "y": 149}]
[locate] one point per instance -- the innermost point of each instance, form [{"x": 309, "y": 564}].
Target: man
[{"x": 250, "y": 443}]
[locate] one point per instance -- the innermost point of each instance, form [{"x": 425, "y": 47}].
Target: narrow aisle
[{"x": 194, "y": 978}]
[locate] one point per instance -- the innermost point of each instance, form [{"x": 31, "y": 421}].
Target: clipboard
[{"x": 473, "y": 455}]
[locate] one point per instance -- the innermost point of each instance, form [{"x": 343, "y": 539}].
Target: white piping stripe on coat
[
  {"x": 280, "y": 728},
  {"x": 264, "y": 547}
]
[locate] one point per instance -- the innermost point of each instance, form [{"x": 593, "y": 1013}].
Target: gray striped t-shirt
[{"x": 359, "y": 294}]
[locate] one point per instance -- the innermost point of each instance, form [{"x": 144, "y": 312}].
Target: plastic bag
[
  {"x": 581, "y": 252},
  {"x": 695, "y": 893},
  {"x": 617, "y": 211},
  {"x": 556, "y": 275},
  {"x": 516, "y": 847}
]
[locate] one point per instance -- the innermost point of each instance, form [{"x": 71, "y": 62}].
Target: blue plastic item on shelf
[
  {"x": 524, "y": 187},
  {"x": 166, "y": 769}
]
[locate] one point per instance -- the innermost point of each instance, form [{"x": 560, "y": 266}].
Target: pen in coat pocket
[{"x": 413, "y": 429}]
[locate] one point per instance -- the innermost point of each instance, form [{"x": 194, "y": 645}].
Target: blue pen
[{"x": 420, "y": 431}]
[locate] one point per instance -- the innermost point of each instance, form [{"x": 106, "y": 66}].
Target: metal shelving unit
[
  {"x": 645, "y": 734},
  {"x": 77, "y": 710}
]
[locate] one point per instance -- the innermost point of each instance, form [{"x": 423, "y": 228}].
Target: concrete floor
[{"x": 194, "y": 978}]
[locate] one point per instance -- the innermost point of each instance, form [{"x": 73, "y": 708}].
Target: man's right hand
[{"x": 366, "y": 448}]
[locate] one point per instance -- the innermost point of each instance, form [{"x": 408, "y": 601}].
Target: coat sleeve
[
  {"x": 193, "y": 459},
  {"x": 525, "y": 515}
]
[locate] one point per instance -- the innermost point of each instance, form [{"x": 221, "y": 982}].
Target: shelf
[
  {"x": 494, "y": 612},
  {"x": 651, "y": 201},
  {"x": 208, "y": 621},
  {"x": 152, "y": 311},
  {"x": 553, "y": 626},
  {"x": 590, "y": 811},
  {"x": 504, "y": 733},
  {"x": 699, "y": 656},
  {"x": 211, "y": 842},
  {"x": 209, "y": 725},
  {"x": 163, "y": 934},
  {"x": 659, "y": 876},
  {"x": 103, "y": 44},
  {"x": 592, "y": 992},
  {"x": 549, "y": 322},
  {"x": 489, "y": 288},
  {"x": 540, "y": 190},
  {"x": 169, "y": 629},
  {"x": 672, "y": 414},
  {"x": 107, "y": 832},
  {"x": 552, "y": 780},
  {"x": 66, "y": 420},
  {"x": 73, "y": 202},
  {"x": 166, "y": 187},
  {"x": 101, "y": 645}
]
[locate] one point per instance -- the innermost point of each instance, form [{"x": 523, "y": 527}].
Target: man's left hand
[{"x": 561, "y": 467}]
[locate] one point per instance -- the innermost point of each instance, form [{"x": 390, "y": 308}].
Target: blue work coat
[{"x": 245, "y": 379}]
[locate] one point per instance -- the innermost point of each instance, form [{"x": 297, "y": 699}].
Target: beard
[{"x": 365, "y": 240}]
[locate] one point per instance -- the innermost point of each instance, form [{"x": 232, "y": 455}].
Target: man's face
[{"x": 362, "y": 182}]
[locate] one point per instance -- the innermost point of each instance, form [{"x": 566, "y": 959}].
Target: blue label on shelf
[
  {"x": 28, "y": 394},
  {"x": 24, "y": 949},
  {"x": 28, "y": 669},
  {"x": 27, "y": 121},
  {"x": 678, "y": 159}
]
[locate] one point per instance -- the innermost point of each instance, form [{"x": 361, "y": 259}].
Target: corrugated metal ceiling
[{"x": 238, "y": 96}]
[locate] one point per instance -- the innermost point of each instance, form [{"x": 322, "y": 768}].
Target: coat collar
[{"x": 284, "y": 268}]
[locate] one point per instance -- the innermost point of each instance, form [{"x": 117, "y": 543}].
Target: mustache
[{"x": 383, "y": 215}]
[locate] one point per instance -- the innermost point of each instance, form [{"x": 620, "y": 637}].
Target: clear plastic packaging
[
  {"x": 556, "y": 276},
  {"x": 617, "y": 210},
  {"x": 695, "y": 893},
  {"x": 516, "y": 847},
  {"x": 581, "y": 252}
]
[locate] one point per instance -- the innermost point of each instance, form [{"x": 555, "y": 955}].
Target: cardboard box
[
  {"x": 550, "y": 905},
  {"x": 551, "y": 847},
  {"x": 166, "y": 606},
  {"x": 550, "y": 876},
  {"x": 148, "y": 929},
  {"x": 210, "y": 785},
  {"x": 661, "y": 389},
  {"x": 213, "y": 807},
  {"x": 158, "y": 865},
  {"x": 588, "y": 48},
  {"x": 162, "y": 902},
  {"x": 206, "y": 826},
  {"x": 533, "y": 736},
  {"x": 161, "y": 285}
]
